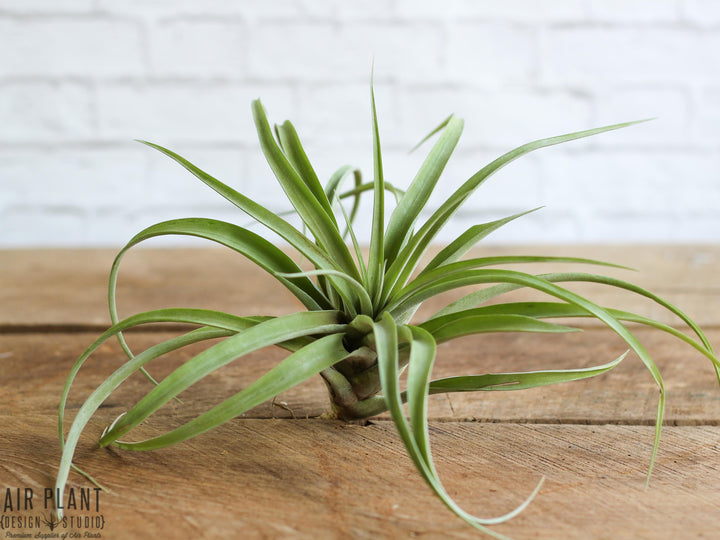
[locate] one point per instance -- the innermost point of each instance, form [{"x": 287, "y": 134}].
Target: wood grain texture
[
  {"x": 627, "y": 394},
  {"x": 267, "y": 475},
  {"x": 63, "y": 288},
  {"x": 324, "y": 479}
]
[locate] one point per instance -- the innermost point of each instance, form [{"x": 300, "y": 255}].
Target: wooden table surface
[{"x": 284, "y": 472}]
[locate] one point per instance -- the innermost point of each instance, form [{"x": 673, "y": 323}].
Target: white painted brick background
[{"x": 80, "y": 79}]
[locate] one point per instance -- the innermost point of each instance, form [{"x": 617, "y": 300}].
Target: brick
[
  {"x": 670, "y": 108},
  {"x": 707, "y": 129},
  {"x": 170, "y": 184},
  {"x": 490, "y": 54},
  {"x": 678, "y": 184},
  {"x": 198, "y": 49},
  {"x": 171, "y": 113},
  {"x": 40, "y": 111},
  {"x": 697, "y": 193},
  {"x": 359, "y": 11},
  {"x": 591, "y": 57},
  {"x": 409, "y": 53},
  {"x": 340, "y": 113},
  {"x": 326, "y": 9},
  {"x": 113, "y": 227},
  {"x": 542, "y": 11},
  {"x": 298, "y": 51},
  {"x": 247, "y": 9},
  {"x": 490, "y": 10},
  {"x": 599, "y": 181},
  {"x": 702, "y": 12},
  {"x": 47, "y": 6},
  {"x": 66, "y": 47},
  {"x": 74, "y": 178},
  {"x": 643, "y": 11},
  {"x": 425, "y": 9},
  {"x": 74, "y": 91},
  {"x": 24, "y": 226},
  {"x": 322, "y": 52},
  {"x": 500, "y": 120}
]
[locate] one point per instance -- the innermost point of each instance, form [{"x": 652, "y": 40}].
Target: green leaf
[
  {"x": 477, "y": 276},
  {"x": 456, "y": 325},
  {"x": 376, "y": 259},
  {"x": 368, "y": 186},
  {"x": 356, "y": 245},
  {"x": 298, "y": 158},
  {"x": 331, "y": 189},
  {"x": 618, "y": 283},
  {"x": 423, "y": 349},
  {"x": 463, "y": 243},
  {"x": 517, "y": 381},
  {"x": 276, "y": 224},
  {"x": 408, "y": 210},
  {"x": 386, "y": 338},
  {"x": 337, "y": 178},
  {"x": 365, "y": 302},
  {"x": 555, "y": 310},
  {"x": 215, "y": 320},
  {"x": 484, "y": 295},
  {"x": 93, "y": 402},
  {"x": 269, "y": 332},
  {"x": 403, "y": 267},
  {"x": 433, "y": 132},
  {"x": 312, "y": 213},
  {"x": 254, "y": 247},
  {"x": 441, "y": 272},
  {"x": 299, "y": 366}
]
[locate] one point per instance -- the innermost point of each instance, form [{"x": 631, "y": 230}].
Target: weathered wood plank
[
  {"x": 324, "y": 479},
  {"x": 265, "y": 478},
  {"x": 35, "y": 365},
  {"x": 68, "y": 287}
]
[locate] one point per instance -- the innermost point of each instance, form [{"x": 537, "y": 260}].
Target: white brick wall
[{"x": 80, "y": 79}]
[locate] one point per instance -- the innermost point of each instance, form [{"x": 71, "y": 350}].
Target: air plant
[{"x": 357, "y": 331}]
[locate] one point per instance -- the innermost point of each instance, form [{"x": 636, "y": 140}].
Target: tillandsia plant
[{"x": 356, "y": 331}]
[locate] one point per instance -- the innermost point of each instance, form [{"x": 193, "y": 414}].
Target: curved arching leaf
[
  {"x": 318, "y": 257},
  {"x": 463, "y": 243},
  {"x": 386, "y": 337},
  {"x": 264, "y": 334},
  {"x": 259, "y": 250},
  {"x": 93, "y": 402},
  {"x": 517, "y": 381},
  {"x": 299, "y": 366},
  {"x": 478, "y": 276},
  {"x": 453, "y": 327},
  {"x": 406, "y": 262}
]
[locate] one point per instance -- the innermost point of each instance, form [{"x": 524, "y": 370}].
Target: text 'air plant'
[{"x": 356, "y": 332}]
